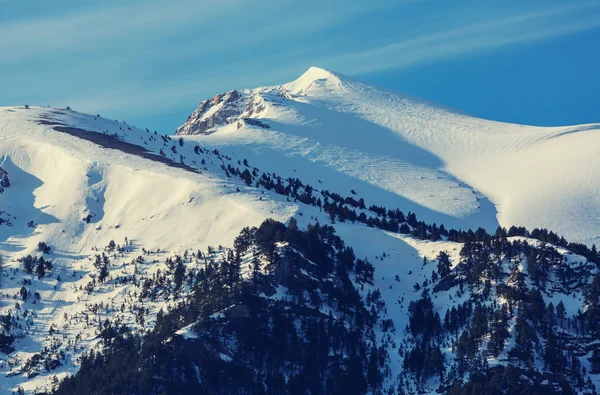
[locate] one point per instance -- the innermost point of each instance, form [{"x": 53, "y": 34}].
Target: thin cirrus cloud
[
  {"x": 35, "y": 37},
  {"x": 214, "y": 24},
  {"x": 504, "y": 30},
  {"x": 110, "y": 58},
  {"x": 141, "y": 58}
]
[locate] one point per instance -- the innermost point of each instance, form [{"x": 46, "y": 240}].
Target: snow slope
[
  {"x": 397, "y": 150},
  {"x": 63, "y": 170},
  {"x": 58, "y": 179}
]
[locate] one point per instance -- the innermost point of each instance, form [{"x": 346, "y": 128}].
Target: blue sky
[{"x": 151, "y": 62}]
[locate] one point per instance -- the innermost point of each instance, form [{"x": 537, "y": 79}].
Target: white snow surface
[
  {"x": 399, "y": 151},
  {"x": 57, "y": 179}
]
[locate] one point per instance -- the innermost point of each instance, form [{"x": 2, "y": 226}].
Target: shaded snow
[{"x": 447, "y": 167}]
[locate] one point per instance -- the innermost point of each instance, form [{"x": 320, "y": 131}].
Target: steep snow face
[
  {"x": 397, "y": 150},
  {"x": 57, "y": 180},
  {"x": 76, "y": 182},
  {"x": 317, "y": 81}
]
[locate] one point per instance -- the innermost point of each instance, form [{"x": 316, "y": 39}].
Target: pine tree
[
  {"x": 524, "y": 336},
  {"x": 178, "y": 275},
  {"x": 103, "y": 273},
  {"x": 553, "y": 357},
  {"x": 443, "y": 265},
  {"x": 479, "y": 322},
  {"x": 550, "y": 316},
  {"x": 373, "y": 373},
  {"x": 28, "y": 264},
  {"x": 561, "y": 314},
  {"x": 592, "y": 306},
  {"x": 292, "y": 235},
  {"x": 595, "y": 361},
  {"x": 23, "y": 293},
  {"x": 247, "y": 177},
  {"x": 40, "y": 269},
  {"x": 255, "y": 265},
  {"x": 499, "y": 331}
]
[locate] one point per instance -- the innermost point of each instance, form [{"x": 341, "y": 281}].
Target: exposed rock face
[
  {"x": 224, "y": 109},
  {"x": 212, "y": 113}
]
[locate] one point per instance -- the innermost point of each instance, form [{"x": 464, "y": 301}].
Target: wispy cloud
[
  {"x": 215, "y": 24},
  {"x": 512, "y": 28},
  {"x": 36, "y": 37}
]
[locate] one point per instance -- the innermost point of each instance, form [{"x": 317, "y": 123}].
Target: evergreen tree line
[
  {"x": 355, "y": 210},
  {"x": 505, "y": 284},
  {"x": 318, "y": 337}
]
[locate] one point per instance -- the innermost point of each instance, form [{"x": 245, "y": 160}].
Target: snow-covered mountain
[
  {"x": 397, "y": 150},
  {"x": 103, "y": 225},
  {"x": 76, "y": 182}
]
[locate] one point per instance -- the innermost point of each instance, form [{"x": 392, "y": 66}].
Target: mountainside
[
  {"x": 78, "y": 182},
  {"x": 447, "y": 167},
  {"x": 321, "y": 236}
]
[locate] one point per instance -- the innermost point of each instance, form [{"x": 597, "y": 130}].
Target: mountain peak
[
  {"x": 317, "y": 73},
  {"x": 315, "y": 77}
]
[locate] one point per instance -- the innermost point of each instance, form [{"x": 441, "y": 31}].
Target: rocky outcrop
[
  {"x": 225, "y": 109},
  {"x": 221, "y": 110}
]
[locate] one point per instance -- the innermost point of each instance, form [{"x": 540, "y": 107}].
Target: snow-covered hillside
[
  {"x": 103, "y": 225},
  {"x": 69, "y": 190},
  {"x": 104, "y": 194},
  {"x": 397, "y": 150},
  {"x": 58, "y": 179}
]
